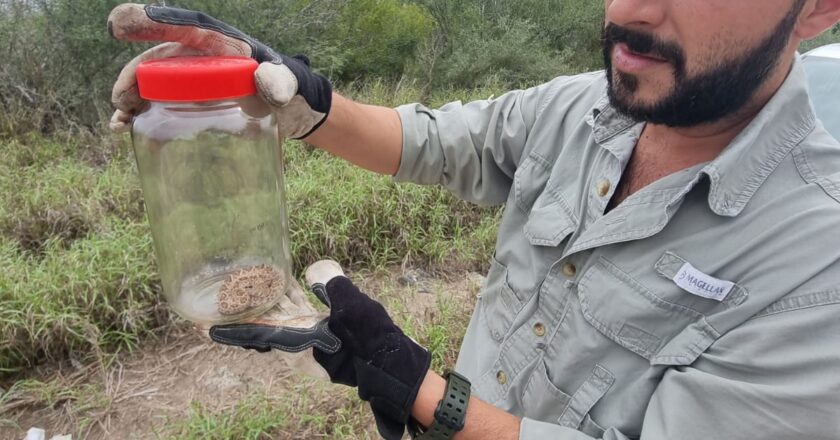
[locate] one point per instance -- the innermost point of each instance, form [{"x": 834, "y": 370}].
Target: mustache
[{"x": 644, "y": 43}]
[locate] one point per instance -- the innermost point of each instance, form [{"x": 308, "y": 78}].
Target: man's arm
[
  {"x": 484, "y": 421},
  {"x": 775, "y": 377},
  {"x": 473, "y": 149},
  {"x": 366, "y": 135}
]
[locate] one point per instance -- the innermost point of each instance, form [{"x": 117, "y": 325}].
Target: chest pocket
[
  {"x": 645, "y": 322},
  {"x": 543, "y": 401}
]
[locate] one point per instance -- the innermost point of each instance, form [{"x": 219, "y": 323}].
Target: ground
[{"x": 184, "y": 386}]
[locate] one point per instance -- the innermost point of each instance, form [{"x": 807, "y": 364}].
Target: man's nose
[{"x": 636, "y": 14}]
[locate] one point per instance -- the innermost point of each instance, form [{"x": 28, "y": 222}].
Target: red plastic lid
[{"x": 196, "y": 78}]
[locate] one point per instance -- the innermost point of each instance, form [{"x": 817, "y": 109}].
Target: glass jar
[{"x": 211, "y": 167}]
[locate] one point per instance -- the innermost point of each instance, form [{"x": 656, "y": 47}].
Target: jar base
[{"x": 230, "y": 293}]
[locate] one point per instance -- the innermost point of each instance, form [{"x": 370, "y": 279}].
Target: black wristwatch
[{"x": 451, "y": 412}]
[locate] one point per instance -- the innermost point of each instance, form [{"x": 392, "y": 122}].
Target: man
[{"x": 667, "y": 264}]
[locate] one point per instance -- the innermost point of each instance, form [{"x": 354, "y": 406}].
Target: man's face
[{"x": 684, "y": 63}]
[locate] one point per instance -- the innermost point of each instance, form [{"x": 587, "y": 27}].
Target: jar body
[{"x": 212, "y": 178}]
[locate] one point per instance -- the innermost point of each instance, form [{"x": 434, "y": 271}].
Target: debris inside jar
[{"x": 250, "y": 288}]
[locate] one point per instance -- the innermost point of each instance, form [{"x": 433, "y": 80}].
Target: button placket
[
  {"x": 608, "y": 176},
  {"x": 523, "y": 345}
]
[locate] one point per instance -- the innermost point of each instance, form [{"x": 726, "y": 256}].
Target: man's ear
[{"x": 817, "y": 17}]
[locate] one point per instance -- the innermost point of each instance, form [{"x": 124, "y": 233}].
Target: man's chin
[{"x": 633, "y": 105}]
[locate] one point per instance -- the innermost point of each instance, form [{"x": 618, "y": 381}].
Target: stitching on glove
[
  {"x": 386, "y": 351},
  {"x": 290, "y": 349},
  {"x": 314, "y": 342},
  {"x": 209, "y": 26},
  {"x": 224, "y": 41}
]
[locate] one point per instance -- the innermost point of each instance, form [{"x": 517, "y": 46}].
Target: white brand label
[{"x": 700, "y": 284}]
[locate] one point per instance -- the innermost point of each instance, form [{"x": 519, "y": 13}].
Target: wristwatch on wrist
[{"x": 451, "y": 412}]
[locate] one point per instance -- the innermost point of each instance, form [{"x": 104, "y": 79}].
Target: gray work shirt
[{"x": 706, "y": 305}]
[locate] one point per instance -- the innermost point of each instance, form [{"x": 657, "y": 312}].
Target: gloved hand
[
  {"x": 387, "y": 366},
  {"x": 300, "y": 98}
]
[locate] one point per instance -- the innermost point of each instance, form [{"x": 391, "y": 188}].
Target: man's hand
[
  {"x": 300, "y": 98},
  {"x": 374, "y": 355}
]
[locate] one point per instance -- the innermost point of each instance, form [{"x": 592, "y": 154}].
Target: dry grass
[{"x": 183, "y": 387}]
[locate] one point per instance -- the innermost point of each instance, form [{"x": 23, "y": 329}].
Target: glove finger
[
  {"x": 120, "y": 122},
  {"x": 125, "y": 95},
  {"x": 136, "y": 22},
  {"x": 319, "y": 274},
  {"x": 288, "y": 339},
  {"x": 322, "y": 272},
  {"x": 276, "y": 83}
]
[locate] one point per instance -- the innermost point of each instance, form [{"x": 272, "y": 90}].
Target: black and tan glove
[
  {"x": 300, "y": 98},
  {"x": 374, "y": 355}
]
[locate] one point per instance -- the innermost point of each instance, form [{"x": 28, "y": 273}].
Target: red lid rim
[{"x": 196, "y": 79}]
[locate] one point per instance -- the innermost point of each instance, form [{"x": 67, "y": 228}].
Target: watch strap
[{"x": 451, "y": 413}]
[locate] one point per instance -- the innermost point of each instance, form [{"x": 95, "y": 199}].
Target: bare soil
[{"x": 157, "y": 384}]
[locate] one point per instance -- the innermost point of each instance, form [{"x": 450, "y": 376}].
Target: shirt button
[
  {"x": 501, "y": 377},
  {"x": 604, "y": 187},
  {"x": 569, "y": 270},
  {"x": 539, "y": 329}
]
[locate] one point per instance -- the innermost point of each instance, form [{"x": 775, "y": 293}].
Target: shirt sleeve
[
  {"x": 777, "y": 376},
  {"x": 473, "y": 149}
]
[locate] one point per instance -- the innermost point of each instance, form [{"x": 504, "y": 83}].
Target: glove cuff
[{"x": 391, "y": 398}]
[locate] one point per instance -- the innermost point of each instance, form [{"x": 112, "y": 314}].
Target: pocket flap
[
  {"x": 541, "y": 399},
  {"x": 595, "y": 387},
  {"x": 550, "y": 221},
  {"x": 636, "y": 318},
  {"x": 669, "y": 266}
]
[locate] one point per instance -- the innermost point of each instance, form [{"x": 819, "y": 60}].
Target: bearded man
[{"x": 667, "y": 262}]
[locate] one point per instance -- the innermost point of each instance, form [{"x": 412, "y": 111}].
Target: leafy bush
[
  {"x": 59, "y": 61},
  {"x": 514, "y": 43},
  {"x": 378, "y": 37}
]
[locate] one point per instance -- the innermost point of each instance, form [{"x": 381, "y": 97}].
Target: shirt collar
[{"x": 738, "y": 172}]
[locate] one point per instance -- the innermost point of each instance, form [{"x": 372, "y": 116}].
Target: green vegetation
[
  {"x": 59, "y": 62},
  {"x": 79, "y": 273},
  {"x": 303, "y": 408},
  {"x": 314, "y": 409},
  {"x": 79, "y": 280}
]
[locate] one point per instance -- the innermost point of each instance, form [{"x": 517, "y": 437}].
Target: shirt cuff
[{"x": 415, "y": 135}]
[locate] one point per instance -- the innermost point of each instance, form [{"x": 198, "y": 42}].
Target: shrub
[{"x": 378, "y": 37}]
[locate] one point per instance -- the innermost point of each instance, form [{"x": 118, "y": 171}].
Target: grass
[
  {"x": 435, "y": 312},
  {"x": 79, "y": 283},
  {"x": 315, "y": 409},
  {"x": 79, "y": 278},
  {"x": 69, "y": 398},
  {"x": 249, "y": 419},
  {"x": 310, "y": 410}
]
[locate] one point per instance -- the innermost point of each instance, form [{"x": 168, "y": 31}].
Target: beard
[{"x": 709, "y": 96}]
